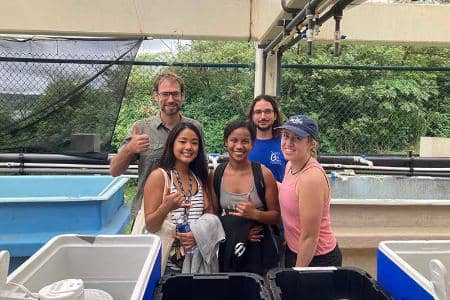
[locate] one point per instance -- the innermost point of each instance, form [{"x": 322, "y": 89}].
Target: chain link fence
[
  {"x": 369, "y": 112},
  {"x": 65, "y": 96},
  {"x": 61, "y": 96}
]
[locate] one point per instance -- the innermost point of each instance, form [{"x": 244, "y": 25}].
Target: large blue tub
[{"x": 33, "y": 209}]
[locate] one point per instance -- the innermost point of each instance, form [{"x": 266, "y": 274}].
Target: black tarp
[{"x": 62, "y": 95}]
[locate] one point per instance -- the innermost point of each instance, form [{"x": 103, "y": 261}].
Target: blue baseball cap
[{"x": 302, "y": 126}]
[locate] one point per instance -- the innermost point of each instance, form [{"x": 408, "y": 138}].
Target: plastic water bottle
[{"x": 183, "y": 227}]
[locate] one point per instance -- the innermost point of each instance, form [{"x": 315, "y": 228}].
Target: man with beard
[
  {"x": 265, "y": 115},
  {"x": 146, "y": 140}
]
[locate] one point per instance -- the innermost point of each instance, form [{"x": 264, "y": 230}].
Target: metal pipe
[
  {"x": 378, "y": 160},
  {"x": 58, "y": 165},
  {"x": 292, "y": 42},
  {"x": 361, "y": 167},
  {"x": 278, "y": 83},
  {"x": 27, "y": 171},
  {"x": 366, "y": 68},
  {"x": 264, "y": 68},
  {"x": 288, "y": 66},
  {"x": 252, "y": 66},
  {"x": 337, "y": 7},
  {"x": 325, "y": 16},
  {"x": 288, "y": 41},
  {"x": 124, "y": 62},
  {"x": 287, "y": 9},
  {"x": 273, "y": 43},
  {"x": 337, "y": 30},
  {"x": 399, "y": 173},
  {"x": 35, "y": 157},
  {"x": 438, "y": 162},
  {"x": 320, "y": 8},
  {"x": 300, "y": 17},
  {"x": 309, "y": 32}
]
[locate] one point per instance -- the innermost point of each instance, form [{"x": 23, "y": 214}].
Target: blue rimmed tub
[{"x": 33, "y": 209}]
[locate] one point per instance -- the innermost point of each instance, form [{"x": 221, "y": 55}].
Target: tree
[
  {"x": 368, "y": 111},
  {"x": 358, "y": 111}
]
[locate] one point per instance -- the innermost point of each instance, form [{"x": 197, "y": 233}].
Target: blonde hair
[{"x": 313, "y": 150}]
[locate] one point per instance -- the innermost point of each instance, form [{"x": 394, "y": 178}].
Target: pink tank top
[{"x": 289, "y": 205}]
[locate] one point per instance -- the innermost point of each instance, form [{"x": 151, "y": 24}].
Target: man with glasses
[
  {"x": 146, "y": 140},
  {"x": 265, "y": 115}
]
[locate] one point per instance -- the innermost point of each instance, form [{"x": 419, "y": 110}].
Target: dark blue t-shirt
[{"x": 268, "y": 153}]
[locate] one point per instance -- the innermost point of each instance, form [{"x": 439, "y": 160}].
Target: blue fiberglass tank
[{"x": 33, "y": 209}]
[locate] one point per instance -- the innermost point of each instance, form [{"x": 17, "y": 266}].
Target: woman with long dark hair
[{"x": 184, "y": 197}]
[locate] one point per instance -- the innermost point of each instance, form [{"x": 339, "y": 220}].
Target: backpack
[
  {"x": 258, "y": 179},
  {"x": 270, "y": 249}
]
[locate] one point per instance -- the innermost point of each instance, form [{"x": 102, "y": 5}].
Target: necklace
[
  {"x": 298, "y": 170},
  {"x": 187, "y": 195}
]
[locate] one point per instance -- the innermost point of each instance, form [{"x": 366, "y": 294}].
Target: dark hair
[
  {"x": 199, "y": 165},
  {"x": 233, "y": 125},
  {"x": 168, "y": 75},
  {"x": 276, "y": 108}
]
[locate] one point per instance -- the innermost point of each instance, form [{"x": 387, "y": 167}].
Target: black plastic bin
[
  {"x": 223, "y": 286},
  {"x": 324, "y": 284}
]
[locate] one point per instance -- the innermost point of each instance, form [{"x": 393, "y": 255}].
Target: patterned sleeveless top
[{"x": 197, "y": 207}]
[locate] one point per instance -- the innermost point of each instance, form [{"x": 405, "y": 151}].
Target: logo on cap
[{"x": 296, "y": 120}]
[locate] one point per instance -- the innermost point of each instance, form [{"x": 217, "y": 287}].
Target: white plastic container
[
  {"x": 124, "y": 266},
  {"x": 415, "y": 270}
]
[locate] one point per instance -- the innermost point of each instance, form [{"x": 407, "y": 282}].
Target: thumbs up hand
[
  {"x": 139, "y": 142},
  {"x": 246, "y": 209}
]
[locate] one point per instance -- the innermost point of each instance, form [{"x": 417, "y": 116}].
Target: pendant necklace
[
  {"x": 293, "y": 173},
  {"x": 187, "y": 196}
]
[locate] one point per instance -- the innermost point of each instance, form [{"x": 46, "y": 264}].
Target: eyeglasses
[
  {"x": 265, "y": 111},
  {"x": 166, "y": 95}
]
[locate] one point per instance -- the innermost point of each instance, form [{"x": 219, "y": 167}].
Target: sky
[{"x": 158, "y": 45}]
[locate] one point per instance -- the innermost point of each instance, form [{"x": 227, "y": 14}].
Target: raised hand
[
  {"x": 139, "y": 142},
  {"x": 246, "y": 209},
  {"x": 175, "y": 200}
]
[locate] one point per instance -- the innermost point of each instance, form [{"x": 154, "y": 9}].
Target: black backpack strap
[
  {"x": 261, "y": 190},
  {"x": 217, "y": 180},
  {"x": 259, "y": 181}
]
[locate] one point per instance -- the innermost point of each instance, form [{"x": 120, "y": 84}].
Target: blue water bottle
[{"x": 183, "y": 227}]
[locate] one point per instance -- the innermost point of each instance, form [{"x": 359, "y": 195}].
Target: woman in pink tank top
[{"x": 304, "y": 197}]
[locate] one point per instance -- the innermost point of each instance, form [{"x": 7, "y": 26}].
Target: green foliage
[
  {"x": 213, "y": 97},
  {"x": 370, "y": 111},
  {"x": 358, "y": 111},
  {"x": 216, "y": 96},
  {"x": 5, "y": 119},
  {"x": 130, "y": 190}
]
